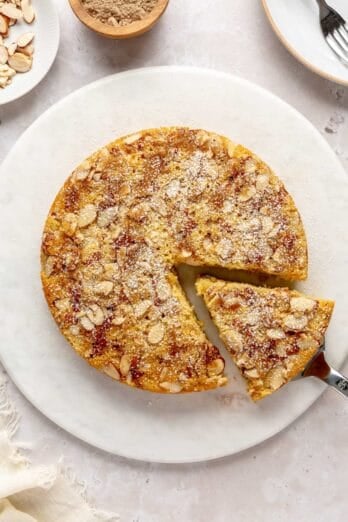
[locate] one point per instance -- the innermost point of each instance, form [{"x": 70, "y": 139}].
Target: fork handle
[
  {"x": 320, "y": 368},
  {"x": 337, "y": 381},
  {"x": 324, "y": 8}
]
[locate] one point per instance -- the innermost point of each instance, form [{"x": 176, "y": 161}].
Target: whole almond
[
  {"x": 25, "y": 39},
  {"x": 20, "y": 62},
  {"x": 3, "y": 25},
  {"x": 12, "y": 49},
  {"x": 3, "y": 55},
  {"x": 6, "y": 71},
  {"x": 28, "y": 50},
  {"x": 28, "y": 11},
  {"x": 11, "y": 11},
  {"x": 3, "y": 81}
]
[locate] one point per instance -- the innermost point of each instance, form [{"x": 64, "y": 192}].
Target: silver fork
[
  {"x": 335, "y": 30},
  {"x": 318, "y": 367}
]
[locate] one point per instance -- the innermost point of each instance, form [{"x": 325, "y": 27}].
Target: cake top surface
[{"x": 130, "y": 213}]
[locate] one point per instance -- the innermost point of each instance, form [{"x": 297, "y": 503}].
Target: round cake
[{"x": 127, "y": 217}]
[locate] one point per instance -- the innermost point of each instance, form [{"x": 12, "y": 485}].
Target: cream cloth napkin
[{"x": 37, "y": 493}]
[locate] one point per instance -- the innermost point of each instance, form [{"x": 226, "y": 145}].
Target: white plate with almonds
[
  {"x": 110, "y": 415},
  {"x": 29, "y": 39}
]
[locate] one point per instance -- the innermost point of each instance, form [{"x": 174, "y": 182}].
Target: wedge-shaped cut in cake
[
  {"x": 271, "y": 333},
  {"x": 130, "y": 213}
]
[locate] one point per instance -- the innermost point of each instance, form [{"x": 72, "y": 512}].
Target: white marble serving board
[{"x": 108, "y": 415}]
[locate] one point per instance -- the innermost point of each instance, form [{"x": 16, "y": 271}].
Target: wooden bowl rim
[{"x": 127, "y": 31}]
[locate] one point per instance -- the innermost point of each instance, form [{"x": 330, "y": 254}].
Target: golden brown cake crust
[
  {"x": 127, "y": 216},
  {"x": 271, "y": 333}
]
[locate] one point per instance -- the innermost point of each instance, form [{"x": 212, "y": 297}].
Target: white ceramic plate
[
  {"x": 296, "y": 23},
  {"x": 106, "y": 414},
  {"x": 46, "y": 29}
]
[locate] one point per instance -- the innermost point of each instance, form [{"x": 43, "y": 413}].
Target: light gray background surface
[{"x": 302, "y": 473}]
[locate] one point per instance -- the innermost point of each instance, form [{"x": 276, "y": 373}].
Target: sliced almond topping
[
  {"x": 307, "y": 343},
  {"x": 95, "y": 314},
  {"x": 118, "y": 320},
  {"x": 247, "y": 193},
  {"x": 230, "y": 149},
  {"x": 156, "y": 333},
  {"x": 252, "y": 318},
  {"x": 86, "y": 324},
  {"x": 74, "y": 329},
  {"x": 275, "y": 333},
  {"x": 186, "y": 254},
  {"x": 69, "y": 224},
  {"x": 216, "y": 367},
  {"x": 202, "y": 137},
  {"x": 252, "y": 374},
  {"x": 234, "y": 340},
  {"x": 295, "y": 323},
  {"x": 83, "y": 171},
  {"x": 11, "y": 11},
  {"x": 87, "y": 215},
  {"x": 262, "y": 182},
  {"x": 49, "y": 265},
  {"x": 132, "y": 139},
  {"x": 112, "y": 372},
  {"x": 62, "y": 304},
  {"x": 124, "y": 190},
  {"x": 207, "y": 243},
  {"x": 302, "y": 304},
  {"x": 267, "y": 224},
  {"x": 275, "y": 378},
  {"x": 20, "y": 62},
  {"x": 243, "y": 361},
  {"x": 104, "y": 287},
  {"x": 107, "y": 216},
  {"x": 141, "y": 308},
  {"x": 230, "y": 301},
  {"x": 25, "y": 39},
  {"x": 228, "y": 206},
  {"x": 173, "y": 188},
  {"x": 163, "y": 290},
  {"x": 171, "y": 387},
  {"x": 282, "y": 348},
  {"x": 125, "y": 365},
  {"x": 224, "y": 248},
  {"x": 3, "y": 55}
]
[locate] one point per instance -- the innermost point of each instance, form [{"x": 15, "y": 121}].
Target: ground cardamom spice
[{"x": 119, "y": 12}]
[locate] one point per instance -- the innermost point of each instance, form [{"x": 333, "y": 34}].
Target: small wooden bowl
[{"x": 127, "y": 31}]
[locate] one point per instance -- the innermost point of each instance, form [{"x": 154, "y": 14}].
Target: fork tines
[{"x": 336, "y": 33}]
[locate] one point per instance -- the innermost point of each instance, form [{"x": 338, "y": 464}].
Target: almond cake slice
[
  {"x": 127, "y": 216},
  {"x": 271, "y": 333}
]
